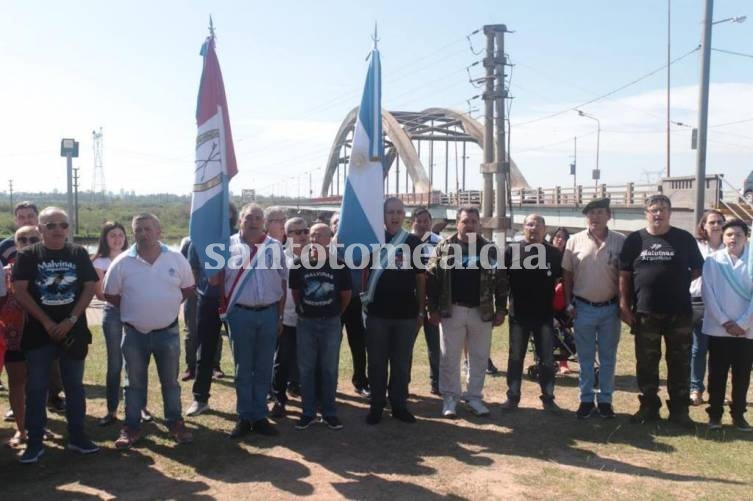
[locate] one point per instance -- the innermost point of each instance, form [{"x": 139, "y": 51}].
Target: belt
[
  {"x": 174, "y": 324},
  {"x": 254, "y": 308},
  {"x": 598, "y": 305},
  {"x": 465, "y": 305}
]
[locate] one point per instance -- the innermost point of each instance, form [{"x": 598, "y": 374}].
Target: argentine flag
[
  {"x": 215, "y": 164},
  {"x": 362, "y": 212}
]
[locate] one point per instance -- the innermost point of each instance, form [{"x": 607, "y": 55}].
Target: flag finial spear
[
  {"x": 374, "y": 38},
  {"x": 211, "y": 27}
]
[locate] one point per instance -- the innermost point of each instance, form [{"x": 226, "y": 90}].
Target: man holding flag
[{"x": 393, "y": 297}]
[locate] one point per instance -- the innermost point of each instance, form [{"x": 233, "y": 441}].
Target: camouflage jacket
[{"x": 494, "y": 287}]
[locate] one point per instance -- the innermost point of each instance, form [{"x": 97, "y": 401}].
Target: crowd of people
[{"x": 287, "y": 291}]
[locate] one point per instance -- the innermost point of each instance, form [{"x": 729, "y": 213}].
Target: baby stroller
[{"x": 564, "y": 340}]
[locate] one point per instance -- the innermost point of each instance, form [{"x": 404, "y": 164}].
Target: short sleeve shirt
[
  {"x": 660, "y": 265},
  {"x": 56, "y": 280},
  {"x": 320, "y": 288},
  {"x": 150, "y": 293},
  {"x": 595, "y": 266}
]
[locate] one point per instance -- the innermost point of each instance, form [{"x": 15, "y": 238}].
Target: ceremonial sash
[
  {"x": 385, "y": 252},
  {"x": 244, "y": 275},
  {"x": 733, "y": 280}
]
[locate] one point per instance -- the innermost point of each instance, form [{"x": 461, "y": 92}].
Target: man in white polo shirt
[{"x": 148, "y": 282}]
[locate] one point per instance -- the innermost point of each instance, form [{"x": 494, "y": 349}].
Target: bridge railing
[{"x": 626, "y": 195}]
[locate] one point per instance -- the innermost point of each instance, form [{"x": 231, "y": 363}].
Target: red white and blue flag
[{"x": 215, "y": 165}]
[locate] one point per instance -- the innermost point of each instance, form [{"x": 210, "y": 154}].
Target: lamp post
[
  {"x": 703, "y": 105},
  {"x": 596, "y": 172}
]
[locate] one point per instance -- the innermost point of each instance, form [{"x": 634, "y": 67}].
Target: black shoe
[
  {"x": 403, "y": 415},
  {"x": 294, "y": 390},
  {"x": 187, "y": 375},
  {"x": 682, "y": 419},
  {"x": 56, "y": 403},
  {"x": 333, "y": 423},
  {"x": 304, "y": 422},
  {"x": 107, "y": 420},
  {"x": 491, "y": 369},
  {"x": 242, "y": 427},
  {"x": 509, "y": 405},
  {"x": 146, "y": 416},
  {"x": 278, "y": 411},
  {"x": 645, "y": 415},
  {"x": 363, "y": 391},
  {"x": 585, "y": 410},
  {"x": 374, "y": 417},
  {"x": 606, "y": 411},
  {"x": 741, "y": 424},
  {"x": 550, "y": 405},
  {"x": 435, "y": 389},
  {"x": 264, "y": 427},
  {"x": 217, "y": 373}
]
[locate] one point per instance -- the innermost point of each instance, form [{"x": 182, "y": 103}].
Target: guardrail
[{"x": 627, "y": 195}]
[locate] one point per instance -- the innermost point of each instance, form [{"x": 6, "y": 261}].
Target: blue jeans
[
  {"x": 38, "y": 366},
  {"x": 112, "y": 328},
  {"x": 253, "y": 336},
  {"x": 698, "y": 357},
  {"x": 164, "y": 344},
  {"x": 318, "y": 340},
  {"x": 596, "y": 328}
]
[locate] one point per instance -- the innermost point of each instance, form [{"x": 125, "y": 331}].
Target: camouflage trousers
[{"x": 649, "y": 329}]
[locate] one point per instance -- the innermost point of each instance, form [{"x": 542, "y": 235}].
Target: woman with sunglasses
[
  {"x": 112, "y": 241},
  {"x": 12, "y": 319}
]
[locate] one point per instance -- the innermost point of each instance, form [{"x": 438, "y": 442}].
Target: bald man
[{"x": 321, "y": 288}]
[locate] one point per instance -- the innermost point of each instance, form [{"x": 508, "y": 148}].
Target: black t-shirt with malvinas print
[
  {"x": 320, "y": 287},
  {"x": 660, "y": 265},
  {"x": 55, "y": 281}
]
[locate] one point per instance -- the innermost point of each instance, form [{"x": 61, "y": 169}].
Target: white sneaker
[
  {"x": 448, "y": 407},
  {"x": 197, "y": 408},
  {"x": 478, "y": 408}
]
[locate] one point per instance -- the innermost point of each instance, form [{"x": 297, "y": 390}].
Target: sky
[{"x": 293, "y": 70}]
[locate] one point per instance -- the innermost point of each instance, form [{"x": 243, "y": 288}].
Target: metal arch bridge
[{"x": 404, "y": 132}]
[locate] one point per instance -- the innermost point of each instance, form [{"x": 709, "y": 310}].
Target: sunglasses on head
[
  {"x": 304, "y": 231},
  {"x": 51, "y": 226},
  {"x": 27, "y": 240}
]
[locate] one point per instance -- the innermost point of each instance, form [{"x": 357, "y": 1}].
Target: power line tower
[{"x": 98, "y": 178}]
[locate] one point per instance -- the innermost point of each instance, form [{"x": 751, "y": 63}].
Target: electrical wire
[{"x": 610, "y": 93}]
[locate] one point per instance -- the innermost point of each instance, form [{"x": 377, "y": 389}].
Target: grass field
[{"x": 524, "y": 454}]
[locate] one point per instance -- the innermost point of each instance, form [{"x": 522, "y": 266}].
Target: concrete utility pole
[
  {"x": 75, "y": 202},
  {"x": 496, "y": 165},
  {"x": 669, "y": 64},
  {"x": 703, "y": 112}
]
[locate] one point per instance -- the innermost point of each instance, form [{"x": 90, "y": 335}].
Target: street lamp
[
  {"x": 596, "y": 172},
  {"x": 703, "y": 105}
]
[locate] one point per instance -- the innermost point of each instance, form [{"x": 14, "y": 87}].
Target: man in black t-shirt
[
  {"x": 54, "y": 282},
  {"x": 657, "y": 265},
  {"x": 321, "y": 293},
  {"x": 395, "y": 299},
  {"x": 532, "y": 267}
]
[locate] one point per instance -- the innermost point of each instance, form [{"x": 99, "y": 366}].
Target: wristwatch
[{"x": 73, "y": 319}]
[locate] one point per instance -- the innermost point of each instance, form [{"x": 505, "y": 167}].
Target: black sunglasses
[
  {"x": 51, "y": 226},
  {"x": 29, "y": 240},
  {"x": 304, "y": 231}
]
